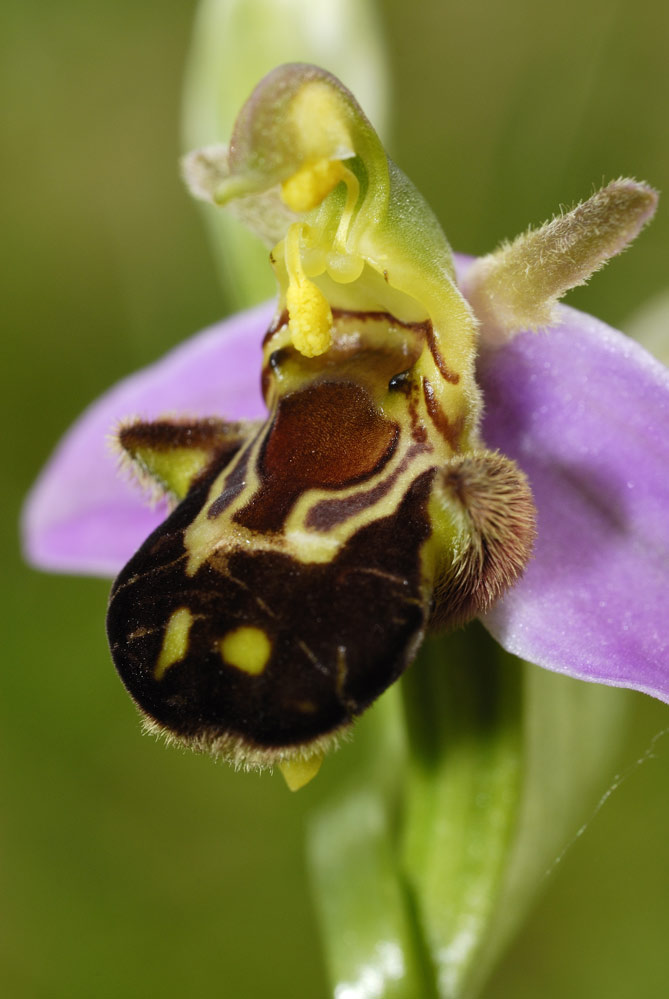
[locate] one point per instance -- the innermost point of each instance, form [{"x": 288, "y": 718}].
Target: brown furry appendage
[{"x": 496, "y": 527}]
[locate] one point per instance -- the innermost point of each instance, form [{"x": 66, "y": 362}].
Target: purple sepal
[
  {"x": 585, "y": 412},
  {"x": 82, "y": 516}
]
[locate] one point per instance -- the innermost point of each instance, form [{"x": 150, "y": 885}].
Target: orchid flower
[{"x": 433, "y": 441}]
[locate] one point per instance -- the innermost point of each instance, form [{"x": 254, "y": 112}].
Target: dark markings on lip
[
  {"x": 418, "y": 431},
  {"x": 274, "y": 362},
  {"x": 328, "y": 513},
  {"x": 165, "y": 435},
  {"x": 232, "y": 487},
  {"x": 450, "y": 376},
  {"x": 449, "y": 431},
  {"x": 424, "y": 327},
  {"x": 329, "y": 436},
  {"x": 368, "y": 600}
]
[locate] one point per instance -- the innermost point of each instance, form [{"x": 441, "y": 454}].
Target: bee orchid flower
[{"x": 403, "y": 442}]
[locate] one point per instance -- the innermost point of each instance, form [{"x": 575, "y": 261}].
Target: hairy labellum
[
  {"x": 296, "y": 579},
  {"x": 308, "y": 556}
]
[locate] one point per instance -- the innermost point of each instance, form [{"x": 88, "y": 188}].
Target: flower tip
[
  {"x": 517, "y": 287},
  {"x": 297, "y": 772},
  {"x": 622, "y": 208}
]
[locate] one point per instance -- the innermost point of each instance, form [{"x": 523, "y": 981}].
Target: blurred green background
[{"x": 130, "y": 870}]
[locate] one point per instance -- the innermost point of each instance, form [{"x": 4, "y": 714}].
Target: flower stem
[
  {"x": 461, "y": 797},
  {"x": 463, "y": 704},
  {"x": 372, "y": 942}
]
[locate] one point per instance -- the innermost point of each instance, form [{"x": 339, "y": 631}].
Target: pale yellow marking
[
  {"x": 298, "y": 772},
  {"x": 215, "y": 538},
  {"x": 207, "y": 536},
  {"x": 311, "y": 546},
  {"x": 175, "y": 642},
  {"x": 174, "y": 468},
  {"x": 247, "y": 649}
]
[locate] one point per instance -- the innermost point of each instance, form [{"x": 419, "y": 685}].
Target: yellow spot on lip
[
  {"x": 175, "y": 642},
  {"x": 297, "y": 772},
  {"x": 247, "y": 649}
]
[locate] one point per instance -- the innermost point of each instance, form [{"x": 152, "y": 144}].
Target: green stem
[
  {"x": 373, "y": 947},
  {"x": 463, "y": 702},
  {"x": 407, "y": 865},
  {"x": 459, "y": 806}
]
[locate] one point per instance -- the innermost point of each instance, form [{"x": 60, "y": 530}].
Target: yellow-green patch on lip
[
  {"x": 246, "y": 648},
  {"x": 175, "y": 642}
]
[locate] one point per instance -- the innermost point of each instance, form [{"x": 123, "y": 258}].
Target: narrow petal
[
  {"x": 585, "y": 413},
  {"x": 81, "y": 516},
  {"x": 517, "y": 287}
]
